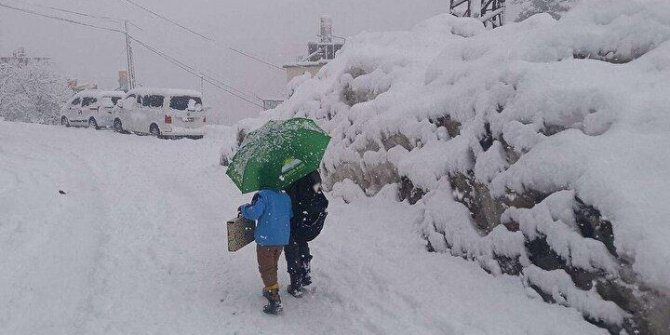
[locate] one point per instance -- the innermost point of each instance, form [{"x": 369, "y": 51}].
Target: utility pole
[
  {"x": 131, "y": 62},
  {"x": 202, "y": 83}
]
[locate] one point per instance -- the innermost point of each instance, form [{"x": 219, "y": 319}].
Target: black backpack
[{"x": 310, "y": 207}]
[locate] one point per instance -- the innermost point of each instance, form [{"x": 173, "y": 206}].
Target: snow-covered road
[{"x": 137, "y": 246}]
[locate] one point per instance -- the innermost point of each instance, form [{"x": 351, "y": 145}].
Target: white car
[
  {"x": 165, "y": 113},
  {"x": 91, "y": 108}
]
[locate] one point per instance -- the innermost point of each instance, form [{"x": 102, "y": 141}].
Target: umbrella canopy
[{"x": 278, "y": 154}]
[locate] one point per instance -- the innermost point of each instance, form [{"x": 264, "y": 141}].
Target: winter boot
[
  {"x": 295, "y": 289},
  {"x": 274, "y": 301},
  {"x": 306, "y": 271}
]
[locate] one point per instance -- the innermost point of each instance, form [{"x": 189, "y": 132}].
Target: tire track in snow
[
  {"x": 160, "y": 265},
  {"x": 54, "y": 242},
  {"x": 95, "y": 277},
  {"x": 151, "y": 241}
]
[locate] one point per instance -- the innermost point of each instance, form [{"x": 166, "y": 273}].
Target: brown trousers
[{"x": 268, "y": 258}]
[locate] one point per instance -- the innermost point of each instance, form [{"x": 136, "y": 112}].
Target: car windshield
[
  {"x": 185, "y": 102},
  {"x": 88, "y": 101},
  {"x": 109, "y": 102}
]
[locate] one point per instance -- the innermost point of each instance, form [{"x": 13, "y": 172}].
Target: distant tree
[
  {"x": 555, "y": 8},
  {"x": 31, "y": 93}
]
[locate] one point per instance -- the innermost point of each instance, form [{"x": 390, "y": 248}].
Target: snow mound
[
  {"x": 537, "y": 138},
  {"x": 150, "y": 257}
]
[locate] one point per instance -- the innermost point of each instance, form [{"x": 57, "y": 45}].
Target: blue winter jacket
[{"x": 272, "y": 211}]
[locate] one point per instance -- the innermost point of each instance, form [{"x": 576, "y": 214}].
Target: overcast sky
[{"x": 274, "y": 30}]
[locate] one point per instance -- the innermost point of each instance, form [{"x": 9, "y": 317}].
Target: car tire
[
  {"x": 92, "y": 123},
  {"x": 118, "y": 126},
  {"x": 64, "y": 122},
  {"x": 154, "y": 130}
]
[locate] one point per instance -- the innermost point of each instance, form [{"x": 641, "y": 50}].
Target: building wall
[{"x": 293, "y": 71}]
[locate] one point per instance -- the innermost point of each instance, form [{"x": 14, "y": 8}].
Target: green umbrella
[{"x": 277, "y": 154}]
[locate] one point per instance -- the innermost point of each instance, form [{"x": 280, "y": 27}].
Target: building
[
  {"x": 124, "y": 81},
  {"x": 299, "y": 68},
  {"x": 271, "y": 103},
  {"x": 20, "y": 58},
  {"x": 75, "y": 86},
  {"x": 318, "y": 53}
]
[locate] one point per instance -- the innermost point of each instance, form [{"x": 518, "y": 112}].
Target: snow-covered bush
[
  {"x": 536, "y": 149},
  {"x": 31, "y": 93}
]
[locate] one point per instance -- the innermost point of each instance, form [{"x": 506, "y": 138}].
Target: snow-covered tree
[
  {"x": 31, "y": 93},
  {"x": 555, "y": 8}
]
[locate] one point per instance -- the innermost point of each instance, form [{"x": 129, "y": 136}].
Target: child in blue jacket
[{"x": 271, "y": 209}]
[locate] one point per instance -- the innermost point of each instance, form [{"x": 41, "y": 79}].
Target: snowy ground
[{"x": 137, "y": 246}]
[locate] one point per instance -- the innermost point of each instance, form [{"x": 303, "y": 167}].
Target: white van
[
  {"x": 91, "y": 108},
  {"x": 163, "y": 113}
]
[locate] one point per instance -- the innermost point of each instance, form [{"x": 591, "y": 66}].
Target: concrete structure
[
  {"x": 318, "y": 53},
  {"x": 124, "y": 81},
  {"x": 299, "y": 68},
  {"x": 75, "y": 86},
  {"x": 271, "y": 103}
]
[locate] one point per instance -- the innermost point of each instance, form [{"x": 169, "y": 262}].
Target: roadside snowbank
[
  {"x": 500, "y": 120},
  {"x": 137, "y": 245}
]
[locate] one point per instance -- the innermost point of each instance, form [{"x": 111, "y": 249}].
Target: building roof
[{"x": 306, "y": 64}]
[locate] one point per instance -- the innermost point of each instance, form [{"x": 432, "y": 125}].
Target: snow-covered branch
[{"x": 32, "y": 93}]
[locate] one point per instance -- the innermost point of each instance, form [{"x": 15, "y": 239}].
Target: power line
[
  {"x": 193, "y": 32},
  {"x": 251, "y": 94},
  {"x": 255, "y": 58},
  {"x": 211, "y": 80},
  {"x": 188, "y": 68},
  {"x": 245, "y": 54},
  {"x": 28, "y": 11},
  {"x": 79, "y": 13},
  {"x": 167, "y": 19}
]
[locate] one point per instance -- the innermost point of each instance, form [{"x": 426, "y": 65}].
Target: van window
[
  {"x": 76, "y": 102},
  {"x": 87, "y": 101},
  {"x": 109, "y": 102},
  {"x": 128, "y": 101},
  {"x": 184, "y": 102},
  {"x": 153, "y": 101}
]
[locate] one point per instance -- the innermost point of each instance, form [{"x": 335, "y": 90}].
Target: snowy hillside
[
  {"x": 137, "y": 245},
  {"x": 537, "y": 149}
]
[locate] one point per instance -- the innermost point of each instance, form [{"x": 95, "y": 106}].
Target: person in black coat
[{"x": 309, "y": 206}]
